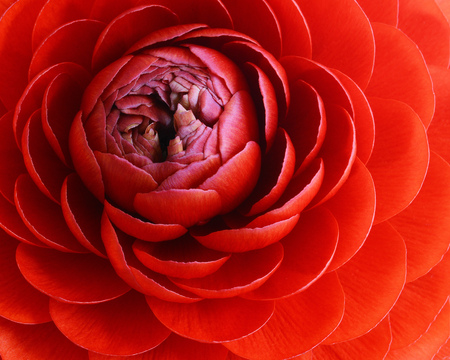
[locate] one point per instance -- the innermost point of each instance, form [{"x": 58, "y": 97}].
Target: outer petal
[{"x": 383, "y": 11}]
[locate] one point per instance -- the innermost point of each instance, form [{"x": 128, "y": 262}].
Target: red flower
[{"x": 211, "y": 179}]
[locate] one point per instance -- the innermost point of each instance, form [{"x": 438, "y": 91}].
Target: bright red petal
[{"x": 384, "y": 11}]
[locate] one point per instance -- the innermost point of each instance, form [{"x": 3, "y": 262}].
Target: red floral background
[{"x": 212, "y": 179}]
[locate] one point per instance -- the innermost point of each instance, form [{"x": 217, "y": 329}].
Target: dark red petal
[
  {"x": 72, "y": 278},
  {"x": 215, "y": 320},
  {"x": 304, "y": 261},
  {"x": 384, "y": 11},
  {"x": 256, "y": 19},
  {"x": 140, "y": 229},
  {"x": 72, "y": 42},
  {"x": 42, "y": 341},
  {"x": 43, "y": 217},
  {"x": 19, "y": 301},
  {"x": 45, "y": 168},
  {"x": 184, "y": 207},
  {"x": 371, "y": 288},
  {"x": 353, "y": 206},
  {"x": 126, "y": 29},
  {"x": 243, "y": 272},
  {"x": 60, "y": 105},
  {"x": 11, "y": 159},
  {"x": 374, "y": 345},
  {"x": 82, "y": 212},
  {"x": 123, "y": 326},
  {"x": 419, "y": 304},
  {"x": 401, "y": 150},
  {"x": 432, "y": 38},
  {"x": 16, "y": 23},
  {"x": 400, "y": 72},
  {"x": 427, "y": 244},
  {"x": 430, "y": 343},
  {"x": 289, "y": 331},
  {"x": 341, "y": 37},
  {"x": 182, "y": 258}
]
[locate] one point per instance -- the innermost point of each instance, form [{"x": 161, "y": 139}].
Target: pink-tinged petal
[
  {"x": 341, "y": 38},
  {"x": 95, "y": 127},
  {"x": 43, "y": 341},
  {"x": 243, "y": 272},
  {"x": 43, "y": 217},
  {"x": 430, "y": 343},
  {"x": 353, "y": 206},
  {"x": 427, "y": 244},
  {"x": 32, "y": 96},
  {"x": 362, "y": 117},
  {"x": 304, "y": 261},
  {"x": 174, "y": 347},
  {"x": 383, "y": 11},
  {"x": 277, "y": 170},
  {"x": 371, "y": 288},
  {"x": 123, "y": 180},
  {"x": 55, "y": 14},
  {"x": 73, "y": 42},
  {"x": 82, "y": 212},
  {"x": 419, "y": 304},
  {"x": 11, "y": 222},
  {"x": 72, "y": 278},
  {"x": 11, "y": 159},
  {"x": 374, "y": 345},
  {"x": 305, "y": 123},
  {"x": 123, "y": 326},
  {"x": 338, "y": 151},
  {"x": 141, "y": 229},
  {"x": 215, "y": 320},
  {"x": 244, "y": 52},
  {"x": 400, "y": 72},
  {"x": 126, "y": 29},
  {"x": 258, "y": 20},
  {"x": 401, "y": 150},
  {"x": 440, "y": 126},
  {"x": 60, "y": 104},
  {"x": 16, "y": 23},
  {"x": 45, "y": 168},
  {"x": 182, "y": 258},
  {"x": 84, "y": 160},
  {"x": 432, "y": 38},
  {"x": 19, "y": 301},
  {"x": 288, "y": 332},
  {"x": 295, "y": 40},
  {"x": 183, "y": 207},
  {"x": 444, "y": 351}
]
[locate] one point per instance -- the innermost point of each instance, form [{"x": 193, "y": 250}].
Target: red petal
[
  {"x": 401, "y": 150},
  {"x": 433, "y": 33},
  {"x": 143, "y": 230},
  {"x": 341, "y": 37},
  {"x": 43, "y": 217},
  {"x": 384, "y": 11},
  {"x": 304, "y": 261},
  {"x": 73, "y": 42},
  {"x": 353, "y": 206},
  {"x": 19, "y": 301},
  {"x": 241, "y": 273},
  {"x": 123, "y": 326},
  {"x": 126, "y": 29},
  {"x": 371, "y": 288},
  {"x": 72, "y": 278},
  {"x": 16, "y": 23},
  {"x": 400, "y": 72},
  {"x": 289, "y": 331},
  {"x": 36, "y": 342},
  {"x": 427, "y": 244},
  {"x": 44, "y": 167},
  {"x": 214, "y": 320},
  {"x": 182, "y": 258}
]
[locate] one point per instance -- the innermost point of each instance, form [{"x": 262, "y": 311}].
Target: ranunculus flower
[{"x": 220, "y": 179}]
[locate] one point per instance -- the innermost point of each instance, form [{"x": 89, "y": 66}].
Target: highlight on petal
[{"x": 123, "y": 326}]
